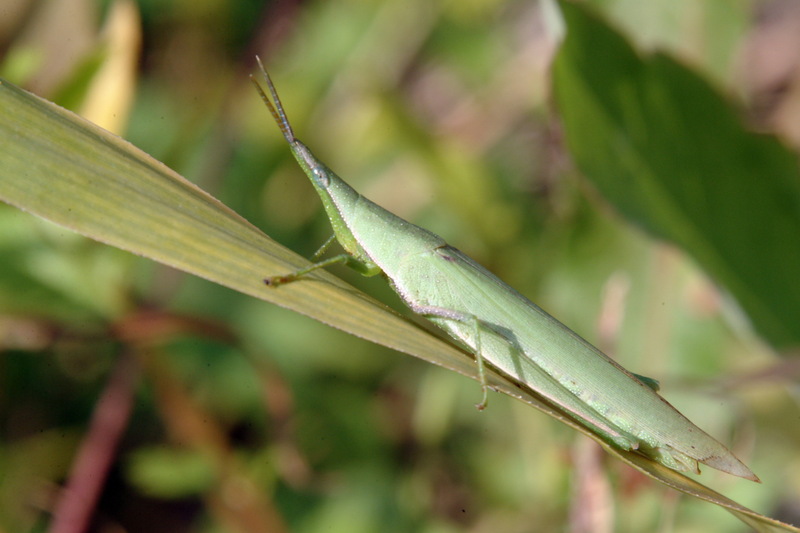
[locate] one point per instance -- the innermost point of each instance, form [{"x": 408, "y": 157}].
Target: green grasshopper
[{"x": 499, "y": 326}]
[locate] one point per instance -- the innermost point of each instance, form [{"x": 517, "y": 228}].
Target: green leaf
[{"x": 673, "y": 156}]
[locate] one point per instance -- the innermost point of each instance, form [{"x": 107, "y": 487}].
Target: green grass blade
[{"x": 71, "y": 172}]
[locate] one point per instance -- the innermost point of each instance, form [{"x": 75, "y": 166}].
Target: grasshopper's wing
[{"x": 527, "y": 344}]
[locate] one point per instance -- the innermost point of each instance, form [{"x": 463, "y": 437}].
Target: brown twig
[{"x": 74, "y": 509}]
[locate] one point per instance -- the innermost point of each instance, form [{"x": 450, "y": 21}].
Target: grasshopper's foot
[
  {"x": 484, "y": 401},
  {"x": 274, "y": 281}
]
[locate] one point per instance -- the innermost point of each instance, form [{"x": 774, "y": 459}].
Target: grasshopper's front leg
[
  {"x": 274, "y": 281},
  {"x": 364, "y": 266}
]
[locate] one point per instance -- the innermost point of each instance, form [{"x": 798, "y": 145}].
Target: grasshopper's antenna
[{"x": 277, "y": 109}]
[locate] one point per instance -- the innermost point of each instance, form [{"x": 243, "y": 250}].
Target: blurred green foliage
[{"x": 439, "y": 112}]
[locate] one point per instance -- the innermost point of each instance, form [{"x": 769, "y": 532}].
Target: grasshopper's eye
[{"x": 321, "y": 176}]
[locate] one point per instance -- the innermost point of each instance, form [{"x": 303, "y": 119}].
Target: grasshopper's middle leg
[{"x": 472, "y": 322}]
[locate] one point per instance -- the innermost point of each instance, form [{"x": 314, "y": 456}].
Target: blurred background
[{"x": 223, "y": 413}]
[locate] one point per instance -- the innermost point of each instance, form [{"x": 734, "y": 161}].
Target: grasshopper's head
[
  {"x": 316, "y": 170},
  {"x": 337, "y": 196}
]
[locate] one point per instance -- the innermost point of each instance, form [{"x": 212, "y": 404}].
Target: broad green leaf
[
  {"x": 673, "y": 156},
  {"x": 62, "y": 168}
]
